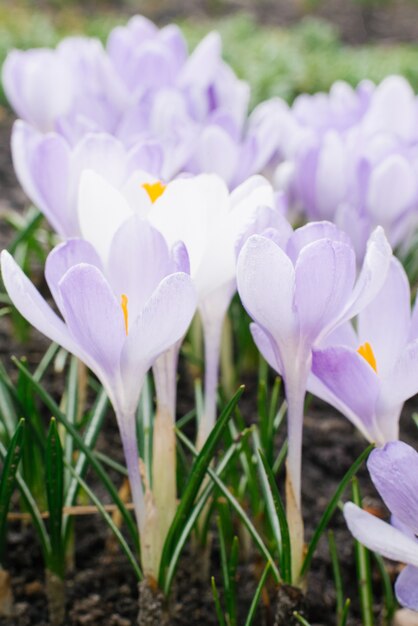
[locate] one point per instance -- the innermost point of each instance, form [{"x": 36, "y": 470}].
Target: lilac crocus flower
[
  {"x": 119, "y": 313},
  {"x": 297, "y": 289},
  {"x": 350, "y": 160},
  {"x": 394, "y": 471},
  {"x": 212, "y": 224},
  {"x": 370, "y": 372},
  {"x": 145, "y": 88},
  {"x": 49, "y": 170}
]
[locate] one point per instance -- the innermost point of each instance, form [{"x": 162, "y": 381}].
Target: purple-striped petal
[
  {"x": 351, "y": 381},
  {"x": 325, "y": 275},
  {"x": 394, "y": 471},
  {"x": 94, "y": 317},
  {"x": 406, "y": 587},
  {"x": 380, "y": 536}
]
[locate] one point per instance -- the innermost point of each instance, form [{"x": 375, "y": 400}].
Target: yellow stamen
[
  {"x": 154, "y": 190},
  {"x": 124, "y": 305},
  {"x": 366, "y": 351}
]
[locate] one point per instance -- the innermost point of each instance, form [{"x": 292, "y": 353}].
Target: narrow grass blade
[
  {"x": 336, "y": 570},
  {"x": 277, "y": 516},
  {"x": 34, "y": 220},
  {"x": 256, "y": 598},
  {"x": 329, "y": 511},
  {"x": 301, "y": 619},
  {"x": 109, "y": 521},
  {"x": 194, "y": 515},
  {"x": 102, "y": 474},
  {"x": 199, "y": 469},
  {"x": 240, "y": 512},
  {"x": 218, "y": 607},
  {"x": 54, "y": 475},
  {"x": 8, "y": 479},
  {"x": 344, "y": 616},
  {"x": 388, "y": 595},
  {"x": 364, "y": 576},
  {"x": 32, "y": 508}
]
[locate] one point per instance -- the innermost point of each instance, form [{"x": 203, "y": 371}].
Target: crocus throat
[
  {"x": 124, "y": 305},
  {"x": 366, "y": 351},
  {"x": 154, "y": 190}
]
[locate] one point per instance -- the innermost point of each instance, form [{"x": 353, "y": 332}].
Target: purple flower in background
[
  {"x": 145, "y": 88},
  {"x": 370, "y": 372},
  {"x": 298, "y": 289},
  {"x": 394, "y": 472},
  {"x": 119, "y": 313},
  {"x": 350, "y": 160},
  {"x": 49, "y": 170}
]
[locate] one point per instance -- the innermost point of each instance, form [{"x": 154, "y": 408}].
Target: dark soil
[{"x": 102, "y": 589}]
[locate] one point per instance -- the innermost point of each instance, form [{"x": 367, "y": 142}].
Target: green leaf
[
  {"x": 109, "y": 521},
  {"x": 197, "y": 475},
  {"x": 54, "y": 474},
  {"x": 389, "y": 598},
  {"x": 240, "y": 512},
  {"x": 218, "y": 607},
  {"x": 300, "y": 619},
  {"x": 32, "y": 508},
  {"x": 257, "y": 595},
  {"x": 8, "y": 480},
  {"x": 100, "y": 471},
  {"x": 194, "y": 515},
  {"x": 337, "y": 575},
  {"x": 344, "y": 616},
  {"x": 277, "y": 517},
  {"x": 34, "y": 219},
  {"x": 364, "y": 575},
  {"x": 332, "y": 505}
]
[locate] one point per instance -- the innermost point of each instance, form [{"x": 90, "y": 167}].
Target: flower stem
[
  {"x": 127, "y": 428},
  {"x": 164, "y": 484},
  {"x": 212, "y": 332},
  {"x": 295, "y": 386}
]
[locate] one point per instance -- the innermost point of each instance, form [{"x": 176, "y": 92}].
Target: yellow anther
[
  {"x": 366, "y": 351},
  {"x": 154, "y": 190},
  {"x": 124, "y": 305}
]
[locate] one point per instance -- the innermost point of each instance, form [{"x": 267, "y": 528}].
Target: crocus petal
[
  {"x": 42, "y": 164},
  {"x": 372, "y": 276},
  {"x": 29, "y": 302},
  {"x": 351, "y": 381},
  {"x": 386, "y": 201},
  {"x": 385, "y": 322},
  {"x": 394, "y": 471},
  {"x": 380, "y": 536},
  {"x": 63, "y": 257},
  {"x": 94, "y": 317},
  {"x": 401, "y": 383},
  {"x": 313, "y": 232},
  {"x": 100, "y": 203},
  {"x": 265, "y": 345},
  {"x": 163, "y": 321},
  {"x": 325, "y": 274},
  {"x": 139, "y": 259},
  {"x": 266, "y": 284},
  {"x": 406, "y": 587}
]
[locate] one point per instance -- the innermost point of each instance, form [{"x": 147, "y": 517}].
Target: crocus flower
[
  {"x": 212, "y": 224},
  {"x": 368, "y": 373},
  {"x": 145, "y": 88},
  {"x": 350, "y": 160},
  {"x": 49, "y": 170},
  {"x": 297, "y": 289},
  {"x": 119, "y": 313},
  {"x": 394, "y": 471}
]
